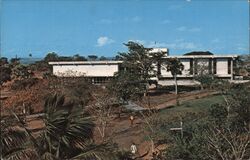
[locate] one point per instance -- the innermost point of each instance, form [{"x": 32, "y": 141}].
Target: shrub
[{"x": 24, "y": 83}]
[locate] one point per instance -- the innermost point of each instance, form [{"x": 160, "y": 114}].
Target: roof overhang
[{"x": 84, "y": 62}]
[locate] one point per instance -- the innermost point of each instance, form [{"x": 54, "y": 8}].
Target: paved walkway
[{"x": 134, "y": 107}]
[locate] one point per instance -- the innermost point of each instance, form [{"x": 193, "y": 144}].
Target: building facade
[{"x": 102, "y": 71}]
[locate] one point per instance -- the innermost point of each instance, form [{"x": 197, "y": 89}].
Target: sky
[{"x": 88, "y": 27}]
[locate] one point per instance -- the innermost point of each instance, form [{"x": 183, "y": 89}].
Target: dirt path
[{"x": 121, "y": 132}]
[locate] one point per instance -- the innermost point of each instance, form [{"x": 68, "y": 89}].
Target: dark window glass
[
  {"x": 191, "y": 66},
  {"x": 215, "y": 66},
  {"x": 210, "y": 66},
  {"x": 195, "y": 66},
  {"x": 229, "y": 66}
]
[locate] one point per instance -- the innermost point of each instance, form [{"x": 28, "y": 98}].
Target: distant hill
[{"x": 198, "y": 53}]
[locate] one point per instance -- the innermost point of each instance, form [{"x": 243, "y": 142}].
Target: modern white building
[{"x": 101, "y": 71}]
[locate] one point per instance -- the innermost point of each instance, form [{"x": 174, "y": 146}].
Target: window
[
  {"x": 191, "y": 66},
  {"x": 229, "y": 66},
  {"x": 210, "y": 66},
  {"x": 215, "y": 66},
  {"x": 195, "y": 66}
]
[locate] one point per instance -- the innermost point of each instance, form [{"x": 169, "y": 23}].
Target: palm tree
[
  {"x": 175, "y": 67},
  {"x": 13, "y": 144},
  {"x": 67, "y": 134}
]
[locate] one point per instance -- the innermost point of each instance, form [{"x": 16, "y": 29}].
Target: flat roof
[
  {"x": 204, "y": 56},
  {"x": 85, "y": 62},
  {"x": 119, "y": 62}
]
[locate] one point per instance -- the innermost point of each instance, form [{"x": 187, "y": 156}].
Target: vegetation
[
  {"x": 5, "y": 74},
  {"x": 203, "y": 75},
  {"x": 126, "y": 86},
  {"x": 219, "y": 132},
  {"x": 175, "y": 67},
  {"x": 138, "y": 65},
  {"x": 67, "y": 135},
  {"x": 198, "y": 53},
  {"x": 215, "y": 127}
]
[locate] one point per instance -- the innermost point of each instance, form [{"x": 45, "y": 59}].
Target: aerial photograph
[{"x": 124, "y": 80}]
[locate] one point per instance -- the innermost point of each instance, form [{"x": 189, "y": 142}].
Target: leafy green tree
[
  {"x": 126, "y": 86},
  {"x": 138, "y": 60},
  {"x": 77, "y": 57},
  {"x": 52, "y": 56},
  {"x": 174, "y": 66},
  {"x": 92, "y": 57},
  {"x": 102, "y": 58}
]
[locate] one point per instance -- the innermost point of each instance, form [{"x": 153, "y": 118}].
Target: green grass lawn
[{"x": 197, "y": 105}]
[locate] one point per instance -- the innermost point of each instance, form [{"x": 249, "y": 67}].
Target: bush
[{"x": 23, "y": 84}]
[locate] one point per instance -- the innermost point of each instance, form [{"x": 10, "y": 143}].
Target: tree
[
  {"x": 126, "y": 86},
  {"x": 222, "y": 134},
  {"x": 13, "y": 140},
  {"x": 3, "y": 61},
  {"x": 67, "y": 134},
  {"x": 21, "y": 72},
  {"x": 15, "y": 61},
  {"x": 174, "y": 66},
  {"x": 203, "y": 75},
  {"x": 102, "y": 110},
  {"x": 5, "y": 74},
  {"x": 102, "y": 58},
  {"x": 77, "y": 57},
  {"x": 140, "y": 62},
  {"x": 52, "y": 56},
  {"x": 92, "y": 57}
]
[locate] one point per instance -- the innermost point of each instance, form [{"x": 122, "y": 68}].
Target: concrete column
[
  {"x": 232, "y": 74},
  {"x": 212, "y": 66},
  {"x": 194, "y": 67}
]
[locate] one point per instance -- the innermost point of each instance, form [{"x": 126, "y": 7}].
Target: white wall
[
  {"x": 88, "y": 70},
  {"x": 185, "y": 72},
  {"x": 186, "y": 63},
  {"x": 222, "y": 66}
]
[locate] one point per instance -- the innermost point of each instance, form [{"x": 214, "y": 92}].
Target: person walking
[
  {"x": 133, "y": 148},
  {"x": 131, "y": 120}
]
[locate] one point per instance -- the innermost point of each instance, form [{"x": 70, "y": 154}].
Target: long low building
[{"x": 221, "y": 66}]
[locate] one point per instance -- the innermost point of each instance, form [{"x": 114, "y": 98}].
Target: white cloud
[
  {"x": 188, "y": 0},
  {"x": 102, "y": 41},
  {"x": 184, "y": 28}
]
